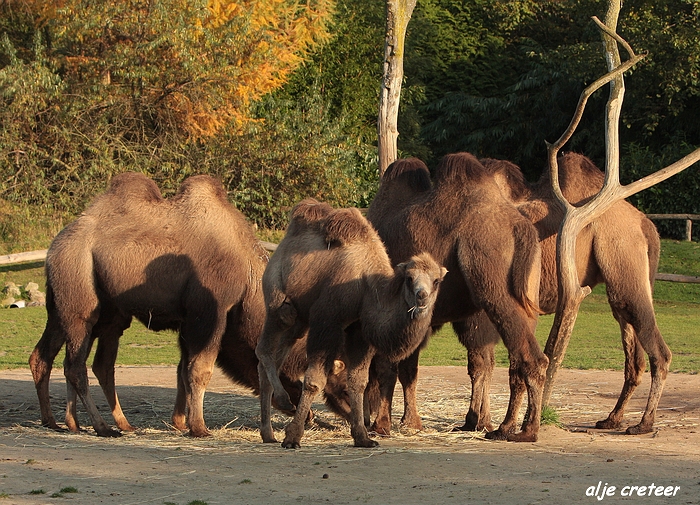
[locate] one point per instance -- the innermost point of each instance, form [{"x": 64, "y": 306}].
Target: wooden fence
[{"x": 689, "y": 218}]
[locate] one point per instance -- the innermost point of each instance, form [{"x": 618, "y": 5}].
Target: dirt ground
[{"x": 160, "y": 466}]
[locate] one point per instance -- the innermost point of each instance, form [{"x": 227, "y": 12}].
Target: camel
[
  {"x": 191, "y": 264},
  {"x": 493, "y": 257},
  {"x": 620, "y": 249},
  {"x": 331, "y": 275}
]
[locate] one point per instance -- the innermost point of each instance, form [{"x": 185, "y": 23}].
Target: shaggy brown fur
[
  {"x": 331, "y": 276},
  {"x": 492, "y": 254},
  {"x": 190, "y": 264},
  {"x": 620, "y": 249}
]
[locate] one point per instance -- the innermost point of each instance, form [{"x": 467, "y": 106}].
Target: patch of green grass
[
  {"x": 197, "y": 502},
  {"x": 595, "y": 342},
  {"x": 550, "y": 416},
  {"x": 4, "y": 496},
  {"x": 680, "y": 257},
  {"x": 68, "y": 489},
  {"x": 37, "y": 491},
  {"x": 246, "y": 481}
]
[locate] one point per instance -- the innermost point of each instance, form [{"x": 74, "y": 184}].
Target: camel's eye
[
  {"x": 436, "y": 283},
  {"x": 409, "y": 280}
]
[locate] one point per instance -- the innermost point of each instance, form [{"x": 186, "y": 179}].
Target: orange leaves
[{"x": 192, "y": 67}]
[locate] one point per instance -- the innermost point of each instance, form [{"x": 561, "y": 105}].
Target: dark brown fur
[
  {"x": 332, "y": 277},
  {"x": 191, "y": 264},
  {"x": 620, "y": 248},
  {"x": 492, "y": 255}
]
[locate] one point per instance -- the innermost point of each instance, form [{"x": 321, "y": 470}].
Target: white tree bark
[{"x": 398, "y": 14}]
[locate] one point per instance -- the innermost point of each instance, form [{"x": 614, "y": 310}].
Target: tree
[
  {"x": 176, "y": 65},
  {"x": 576, "y": 218},
  {"x": 398, "y": 14}
]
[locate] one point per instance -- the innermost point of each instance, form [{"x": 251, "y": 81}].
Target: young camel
[
  {"x": 493, "y": 257},
  {"x": 620, "y": 249},
  {"x": 191, "y": 264},
  {"x": 331, "y": 276}
]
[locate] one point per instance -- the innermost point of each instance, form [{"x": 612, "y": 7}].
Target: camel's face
[{"x": 422, "y": 279}]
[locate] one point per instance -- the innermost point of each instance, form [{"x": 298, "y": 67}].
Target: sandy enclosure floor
[{"x": 156, "y": 465}]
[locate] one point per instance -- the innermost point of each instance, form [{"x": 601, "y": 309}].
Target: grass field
[{"x": 595, "y": 342}]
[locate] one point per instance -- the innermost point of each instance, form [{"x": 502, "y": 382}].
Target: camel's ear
[
  {"x": 443, "y": 272},
  {"x": 401, "y": 268},
  {"x": 338, "y": 366}
]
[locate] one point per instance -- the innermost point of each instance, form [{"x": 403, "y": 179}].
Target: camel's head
[{"x": 422, "y": 278}]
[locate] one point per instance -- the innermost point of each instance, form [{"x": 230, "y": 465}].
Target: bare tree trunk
[
  {"x": 571, "y": 294},
  {"x": 398, "y": 14}
]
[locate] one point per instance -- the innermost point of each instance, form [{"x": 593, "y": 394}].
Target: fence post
[{"x": 689, "y": 230}]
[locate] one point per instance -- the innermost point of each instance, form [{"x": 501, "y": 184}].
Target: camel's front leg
[
  {"x": 314, "y": 381},
  {"x": 408, "y": 376}
]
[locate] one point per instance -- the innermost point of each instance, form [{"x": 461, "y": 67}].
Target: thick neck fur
[{"x": 388, "y": 323}]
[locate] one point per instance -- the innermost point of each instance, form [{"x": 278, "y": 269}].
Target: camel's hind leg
[
  {"x": 528, "y": 365},
  {"x": 480, "y": 337},
  {"x": 75, "y": 370},
  {"x": 648, "y": 337},
  {"x": 628, "y": 270},
  {"x": 634, "y": 368},
  {"x": 41, "y": 363}
]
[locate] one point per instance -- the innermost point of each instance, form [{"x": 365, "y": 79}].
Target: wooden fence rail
[{"x": 689, "y": 218}]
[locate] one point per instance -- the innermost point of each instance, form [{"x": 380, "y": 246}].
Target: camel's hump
[
  {"x": 509, "y": 178},
  {"x": 130, "y": 185},
  {"x": 460, "y": 168},
  {"x": 201, "y": 187},
  {"x": 310, "y": 210},
  {"x": 412, "y": 172},
  {"x": 345, "y": 226}
]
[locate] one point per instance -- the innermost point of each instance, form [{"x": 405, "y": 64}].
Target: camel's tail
[
  {"x": 526, "y": 267},
  {"x": 653, "y": 248}
]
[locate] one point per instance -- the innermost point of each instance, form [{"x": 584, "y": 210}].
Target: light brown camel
[
  {"x": 331, "y": 276},
  {"x": 191, "y": 264},
  {"x": 493, "y": 258},
  {"x": 620, "y": 249}
]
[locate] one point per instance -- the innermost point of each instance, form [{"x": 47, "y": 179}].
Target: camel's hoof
[
  {"x": 199, "y": 433},
  {"x": 109, "y": 433},
  {"x": 496, "y": 435},
  {"x": 639, "y": 430},
  {"x": 412, "y": 423},
  {"x": 608, "y": 424},
  {"x": 522, "y": 437},
  {"x": 366, "y": 443},
  {"x": 381, "y": 429},
  {"x": 290, "y": 444},
  {"x": 55, "y": 427}
]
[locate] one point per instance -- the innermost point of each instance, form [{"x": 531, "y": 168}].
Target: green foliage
[
  {"x": 499, "y": 78},
  {"x": 678, "y": 195}
]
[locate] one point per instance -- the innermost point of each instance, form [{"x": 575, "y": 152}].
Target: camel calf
[{"x": 332, "y": 276}]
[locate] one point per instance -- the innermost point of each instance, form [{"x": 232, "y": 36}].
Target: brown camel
[
  {"x": 493, "y": 257},
  {"x": 620, "y": 249},
  {"x": 331, "y": 275},
  {"x": 190, "y": 264}
]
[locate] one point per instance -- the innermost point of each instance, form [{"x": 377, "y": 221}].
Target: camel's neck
[{"x": 389, "y": 323}]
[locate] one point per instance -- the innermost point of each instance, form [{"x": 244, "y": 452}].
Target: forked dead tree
[{"x": 571, "y": 294}]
